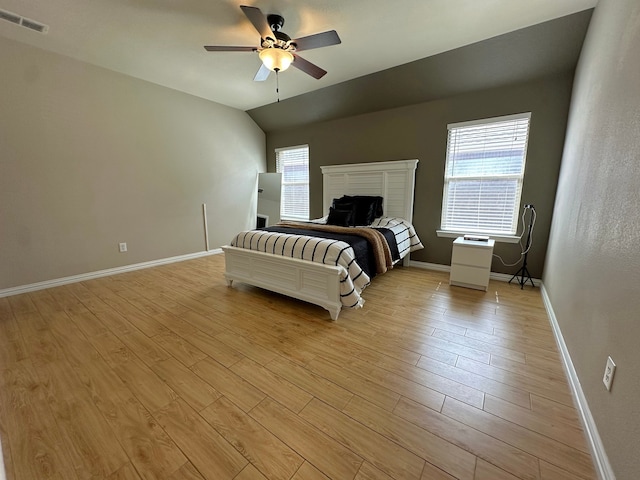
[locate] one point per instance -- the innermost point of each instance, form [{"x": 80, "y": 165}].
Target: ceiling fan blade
[
  {"x": 224, "y": 48},
  {"x": 259, "y": 21},
  {"x": 308, "y": 67},
  {"x": 317, "y": 40},
  {"x": 262, "y": 74}
]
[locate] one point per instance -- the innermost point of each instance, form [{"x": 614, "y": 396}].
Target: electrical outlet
[
  {"x": 123, "y": 247},
  {"x": 609, "y": 370}
]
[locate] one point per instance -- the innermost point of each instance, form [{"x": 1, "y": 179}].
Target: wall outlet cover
[{"x": 608, "y": 373}]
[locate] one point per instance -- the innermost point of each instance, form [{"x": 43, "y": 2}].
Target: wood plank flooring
[{"x": 166, "y": 373}]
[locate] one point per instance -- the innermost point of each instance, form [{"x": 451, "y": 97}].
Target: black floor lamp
[{"x": 523, "y": 273}]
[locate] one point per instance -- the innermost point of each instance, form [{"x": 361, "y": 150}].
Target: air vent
[
  {"x": 25, "y": 22},
  {"x": 10, "y": 17},
  {"x": 38, "y": 27}
]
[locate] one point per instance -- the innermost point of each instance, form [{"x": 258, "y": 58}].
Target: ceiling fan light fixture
[{"x": 276, "y": 59}]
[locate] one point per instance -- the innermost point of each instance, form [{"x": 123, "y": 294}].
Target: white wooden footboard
[{"x": 311, "y": 282}]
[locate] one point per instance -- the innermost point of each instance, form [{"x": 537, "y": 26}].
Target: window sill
[{"x": 497, "y": 238}]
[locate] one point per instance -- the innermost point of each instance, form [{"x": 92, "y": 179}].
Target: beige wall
[
  {"x": 420, "y": 131},
  {"x": 90, "y": 158},
  {"x": 592, "y": 272}
]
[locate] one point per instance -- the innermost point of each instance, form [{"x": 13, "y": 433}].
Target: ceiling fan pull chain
[{"x": 277, "y": 86}]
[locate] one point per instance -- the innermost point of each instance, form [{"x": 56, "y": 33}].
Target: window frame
[
  {"x": 284, "y": 214},
  {"x": 453, "y": 231}
]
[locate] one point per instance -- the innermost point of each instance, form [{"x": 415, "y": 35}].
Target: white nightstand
[{"x": 471, "y": 263}]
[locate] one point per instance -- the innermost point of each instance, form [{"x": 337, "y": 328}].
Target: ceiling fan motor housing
[
  {"x": 282, "y": 40},
  {"x": 276, "y": 22}
]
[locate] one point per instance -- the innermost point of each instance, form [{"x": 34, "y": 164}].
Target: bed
[{"x": 319, "y": 283}]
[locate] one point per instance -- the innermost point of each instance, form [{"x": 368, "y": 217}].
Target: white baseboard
[
  {"x": 501, "y": 277},
  {"x": 430, "y": 266},
  {"x": 600, "y": 458},
  {"x": 102, "y": 273}
]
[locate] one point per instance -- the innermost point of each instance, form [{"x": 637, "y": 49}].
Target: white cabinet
[{"x": 471, "y": 263}]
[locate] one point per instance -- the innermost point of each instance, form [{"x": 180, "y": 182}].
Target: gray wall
[
  {"x": 90, "y": 158},
  {"x": 592, "y": 272},
  {"x": 420, "y": 131}
]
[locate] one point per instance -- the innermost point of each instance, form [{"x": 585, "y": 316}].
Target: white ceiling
[{"x": 162, "y": 41}]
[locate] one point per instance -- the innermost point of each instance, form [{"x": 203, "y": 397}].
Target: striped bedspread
[
  {"x": 330, "y": 252},
  {"x": 353, "y": 280},
  {"x": 377, "y": 241},
  {"x": 406, "y": 236}
]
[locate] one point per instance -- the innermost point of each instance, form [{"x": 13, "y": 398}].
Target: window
[
  {"x": 483, "y": 175},
  {"x": 293, "y": 164}
]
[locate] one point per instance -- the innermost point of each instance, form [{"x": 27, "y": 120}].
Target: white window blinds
[
  {"x": 293, "y": 163},
  {"x": 483, "y": 175}
]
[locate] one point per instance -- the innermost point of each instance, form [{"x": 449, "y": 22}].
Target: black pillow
[
  {"x": 341, "y": 218},
  {"x": 366, "y": 208},
  {"x": 345, "y": 205},
  {"x": 379, "y": 211}
]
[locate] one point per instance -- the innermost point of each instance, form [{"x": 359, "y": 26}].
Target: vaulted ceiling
[
  {"x": 543, "y": 50},
  {"x": 161, "y": 41}
]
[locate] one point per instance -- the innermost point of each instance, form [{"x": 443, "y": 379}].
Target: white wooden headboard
[{"x": 394, "y": 181}]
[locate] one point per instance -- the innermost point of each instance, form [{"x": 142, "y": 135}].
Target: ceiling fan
[{"x": 277, "y": 50}]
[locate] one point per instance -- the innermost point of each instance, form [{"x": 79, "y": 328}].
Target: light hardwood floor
[{"x": 167, "y": 373}]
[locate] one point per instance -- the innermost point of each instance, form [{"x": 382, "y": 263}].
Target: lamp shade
[{"x": 276, "y": 59}]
